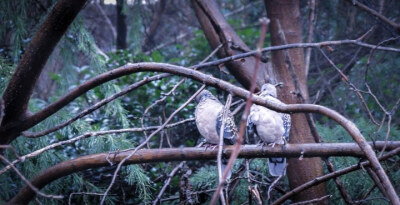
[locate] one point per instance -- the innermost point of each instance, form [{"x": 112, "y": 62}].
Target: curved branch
[
  {"x": 20, "y": 88},
  {"x": 209, "y": 80},
  {"x": 376, "y": 14},
  {"x": 349, "y": 126},
  {"x": 29, "y": 122},
  {"x": 330, "y": 176},
  {"x": 184, "y": 154},
  {"x": 83, "y": 136},
  {"x": 97, "y": 105}
]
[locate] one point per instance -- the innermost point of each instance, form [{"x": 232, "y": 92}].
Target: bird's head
[
  {"x": 268, "y": 90},
  {"x": 203, "y": 95}
]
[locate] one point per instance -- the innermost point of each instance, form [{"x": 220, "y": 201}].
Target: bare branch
[
  {"x": 313, "y": 201},
  {"x": 54, "y": 107},
  {"x": 95, "y": 106},
  {"x": 82, "y": 193},
  {"x": 111, "y": 98},
  {"x": 170, "y": 175},
  {"x": 221, "y": 145},
  {"x": 20, "y": 88},
  {"x": 376, "y": 14},
  {"x": 349, "y": 126},
  {"x": 183, "y": 154},
  {"x": 86, "y": 135},
  {"x": 351, "y": 86},
  {"x": 242, "y": 128},
  {"x": 311, "y": 22},
  {"x": 32, "y": 187},
  {"x": 145, "y": 142},
  {"x": 330, "y": 176}
]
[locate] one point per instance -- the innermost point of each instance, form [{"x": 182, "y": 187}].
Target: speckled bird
[
  {"x": 208, "y": 117},
  {"x": 271, "y": 127}
]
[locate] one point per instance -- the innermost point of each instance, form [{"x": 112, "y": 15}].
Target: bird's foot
[
  {"x": 260, "y": 144},
  {"x": 210, "y": 146},
  {"x": 285, "y": 141}
]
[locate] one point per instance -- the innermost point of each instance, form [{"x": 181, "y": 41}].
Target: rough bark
[
  {"x": 285, "y": 17},
  {"x": 218, "y": 31},
  {"x": 20, "y": 88},
  {"x": 121, "y": 25},
  {"x": 182, "y": 154}
]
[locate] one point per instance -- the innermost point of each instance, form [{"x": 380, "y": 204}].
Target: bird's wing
[
  {"x": 287, "y": 123},
  {"x": 230, "y": 130},
  {"x": 251, "y": 127}
]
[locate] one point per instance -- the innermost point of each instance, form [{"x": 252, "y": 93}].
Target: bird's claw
[{"x": 211, "y": 146}]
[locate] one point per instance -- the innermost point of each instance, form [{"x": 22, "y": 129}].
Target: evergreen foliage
[{"x": 140, "y": 184}]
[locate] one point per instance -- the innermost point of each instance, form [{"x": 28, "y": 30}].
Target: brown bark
[
  {"x": 19, "y": 90},
  {"x": 183, "y": 154},
  {"x": 218, "y": 31},
  {"x": 285, "y": 17},
  {"x": 349, "y": 126}
]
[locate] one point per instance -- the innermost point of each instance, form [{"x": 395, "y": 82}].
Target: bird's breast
[
  {"x": 206, "y": 117},
  {"x": 269, "y": 124}
]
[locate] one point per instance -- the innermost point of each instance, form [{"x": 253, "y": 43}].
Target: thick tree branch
[
  {"x": 218, "y": 31},
  {"x": 184, "y": 154},
  {"x": 51, "y": 109},
  {"x": 20, "y": 87},
  {"x": 209, "y": 80},
  {"x": 83, "y": 136},
  {"x": 332, "y": 175}
]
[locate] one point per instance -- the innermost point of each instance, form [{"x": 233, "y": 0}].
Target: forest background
[{"x": 76, "y": 94}]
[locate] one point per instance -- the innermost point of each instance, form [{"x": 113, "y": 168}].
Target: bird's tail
[
  {"x": 277, "y": 166},
  {"x": 223, "y": 167}
]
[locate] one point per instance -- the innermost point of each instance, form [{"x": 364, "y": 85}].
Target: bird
[
  {"x": 208, "y": 118},
  {"x": 270, "y": 126}
]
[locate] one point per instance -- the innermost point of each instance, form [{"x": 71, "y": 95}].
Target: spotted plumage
[
  {"x": 208, "y": 117},
  {"x": 270, "y": 126}
]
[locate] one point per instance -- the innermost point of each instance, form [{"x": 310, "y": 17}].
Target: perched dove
[
  {"x": 271, "y": 127},
  {"x": 208, "y": 117}
]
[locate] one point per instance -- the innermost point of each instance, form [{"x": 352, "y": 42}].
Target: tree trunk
[
  {"x": 21, "y": 85},
  {"x": 121, "y": 25},
  {"x": 289, "y": 68},
  {"x": 218, "y": 31}
]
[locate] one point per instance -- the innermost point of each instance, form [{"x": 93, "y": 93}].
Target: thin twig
[
  {"x": 193, "y": 193},
  {"x": 264, "y": 24},
  {"x": 173, "y": 90},
  {"x": 225, "y": 112},
  {"x": 343, "y": 191},
  {"x": 95, "y": 106},
  {"x": 86, "y": 135},
  {"x": 376, "y": 14},
  {"x": 111, "y": 98},
  {"x": 54, "y": 107},
  {"x": 351, "y": 85},
  {"x": 311, "y": 22},
  {"x": 313, "y": 200},
  {"x": 166, "y": 183},
  {"x": 36, "y": 190},
  {"x": 272, "y": 185},
  {"x": 326, "y": 177},
  {"x": 372, "y": 51},
  {"x": 82, "y": 193}
]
